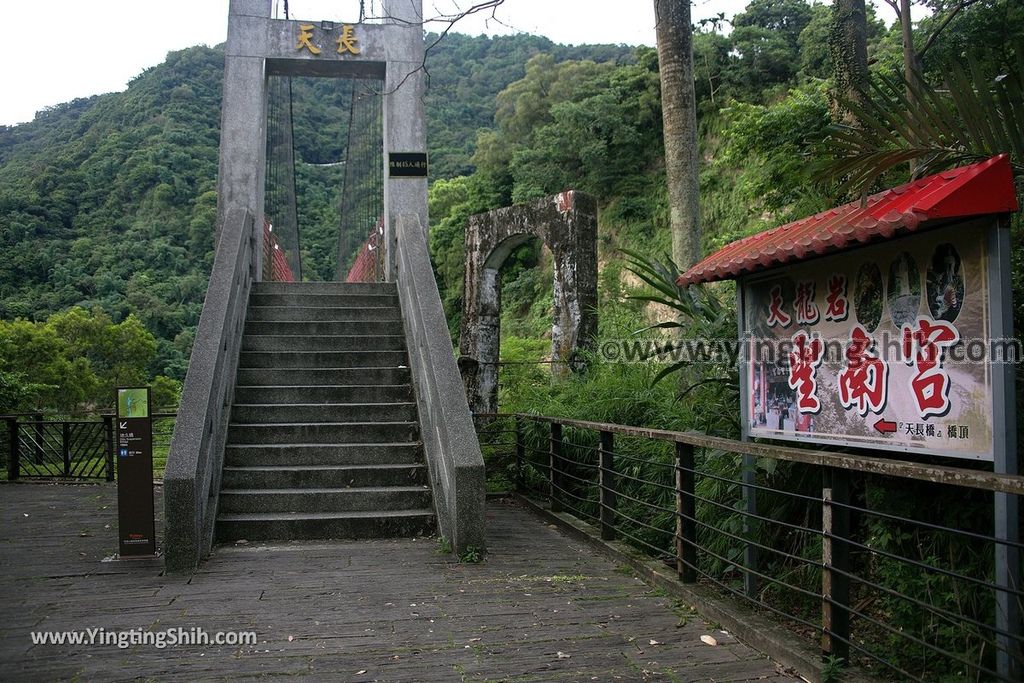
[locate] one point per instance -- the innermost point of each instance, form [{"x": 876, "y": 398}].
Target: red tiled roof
[{"x": 976, "y": 190}]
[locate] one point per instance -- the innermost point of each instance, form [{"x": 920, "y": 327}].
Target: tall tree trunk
[
  {"x": 911, "y": 67},
  {"x": 679, "y": 113},
  {"x": 848, "y": 46},
  {"x": 911, "y": 70}
]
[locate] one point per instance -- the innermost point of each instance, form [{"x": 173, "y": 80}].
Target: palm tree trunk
[
  {"x": 911, "y": 68},
  {"x": 848, "y": 45},
  {"x": 679, "y": 113}
]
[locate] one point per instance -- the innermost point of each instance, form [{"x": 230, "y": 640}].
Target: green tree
[
  {"x": 451, "y": 203},
  {"x": 767, "y": 37},
  {"x": 35, "y": 351}
]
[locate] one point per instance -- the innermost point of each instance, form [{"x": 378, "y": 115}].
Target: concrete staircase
[{"x": 324, "y": 435}]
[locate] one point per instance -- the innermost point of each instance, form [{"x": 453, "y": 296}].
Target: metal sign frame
[
  {"x": 999, "y": 322},
  {"x": 135, "y": 506},
  {"x": 1006, "y": 531}
]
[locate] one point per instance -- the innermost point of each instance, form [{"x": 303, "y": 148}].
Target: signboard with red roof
[{"x": 884, "y": 324}]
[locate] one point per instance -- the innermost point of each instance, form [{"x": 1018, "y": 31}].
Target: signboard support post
[
  {"x": 749, "y": 474},
  {"x": 135, "y": 520},
  {"x": 835, "y": 555},
  {"x": 1007, "y": 557},
  {"x": 750, "y": 558}
]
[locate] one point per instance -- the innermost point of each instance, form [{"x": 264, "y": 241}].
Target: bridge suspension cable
[
  {"x": 280, "y": 205},
  {"x": 362, "y": 191}
]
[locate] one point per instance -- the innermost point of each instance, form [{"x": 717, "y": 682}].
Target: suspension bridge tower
[
  {"x": 260, "y": 46},
  {"x": 321, "y": 410}
]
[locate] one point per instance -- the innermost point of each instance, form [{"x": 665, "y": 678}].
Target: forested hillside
[
  {"x": 108, "y": 203},
  {"x": 107, "y": 210},
  {"x": 763, "y": 97}
]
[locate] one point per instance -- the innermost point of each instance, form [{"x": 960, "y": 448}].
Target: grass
[{"x": 471, "y": 555}]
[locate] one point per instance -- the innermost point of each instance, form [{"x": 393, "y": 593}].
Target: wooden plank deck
[{"x": 384, "y": 610}]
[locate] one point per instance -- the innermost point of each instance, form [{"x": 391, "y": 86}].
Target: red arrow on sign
[{"x": 885, "y": 426}]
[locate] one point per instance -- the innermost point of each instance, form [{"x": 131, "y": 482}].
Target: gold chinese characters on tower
[{"x": 307, "y": 38}]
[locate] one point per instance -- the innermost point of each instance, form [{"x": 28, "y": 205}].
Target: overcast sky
[{"x": 52, "y": 51}]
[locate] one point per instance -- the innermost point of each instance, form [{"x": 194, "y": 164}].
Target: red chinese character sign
[{"x": 882, "y": 346}]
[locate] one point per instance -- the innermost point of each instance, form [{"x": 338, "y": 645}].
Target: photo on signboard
[
  {"x": 132, "y": 403},
  {"x": 773, "y": 402},
  {"x": 945, "y": 283},
  {"x": 867, "y": 299},
  {"x": 904, "y": 290}
]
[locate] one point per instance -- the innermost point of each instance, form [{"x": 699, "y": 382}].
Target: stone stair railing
[
  {"x": 449, "y": 438},
  {"x": 195, "y": 460}
]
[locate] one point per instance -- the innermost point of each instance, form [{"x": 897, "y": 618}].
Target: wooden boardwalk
[{"x": 541, "y": 608}]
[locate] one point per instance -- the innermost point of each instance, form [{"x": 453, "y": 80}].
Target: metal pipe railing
[{"x": 876, "y": 585}]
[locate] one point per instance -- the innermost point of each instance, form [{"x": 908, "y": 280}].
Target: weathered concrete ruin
[{"x": 567, "y": 224}]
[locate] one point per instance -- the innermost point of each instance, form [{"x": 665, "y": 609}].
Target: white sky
[{"x": 52, "y": 51}]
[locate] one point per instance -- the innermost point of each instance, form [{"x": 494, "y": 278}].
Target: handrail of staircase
[
  {"x": 195, "y": 459},
  {"x": 450, "y": 442}
]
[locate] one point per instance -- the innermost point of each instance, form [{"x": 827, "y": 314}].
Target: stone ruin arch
[{"x": 567, "y": 224}]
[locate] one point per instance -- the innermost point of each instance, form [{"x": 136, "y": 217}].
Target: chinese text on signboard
[{"x": 886, "y": 346}]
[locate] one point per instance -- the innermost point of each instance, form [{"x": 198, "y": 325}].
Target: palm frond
[
  {"x": 972, "y": 118},
  {"x": 698, "y": 312}
]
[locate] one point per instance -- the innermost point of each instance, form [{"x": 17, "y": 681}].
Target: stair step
[
  {"x": 323, "y": 342},
  {"x": 327, "y": 432},
  {"x": 369, "y": 328},
  {"x": 323, "y": 440},
  {"x": 323, "y": 299},
  {"x": 353, "y": 393},
  {"x": 322, "y": 359},
  {"x": 333, "y": 313},
  {"x": 322, "y": 476},
  {"x": 323, "y": 500},
  {"x": 257, "y": 413},
  {"x": 303, "y": 454},
  {"x": 324, "y": 525},
  {"x": 324, "y": 288},
  {"x": 322, "y": 376}
]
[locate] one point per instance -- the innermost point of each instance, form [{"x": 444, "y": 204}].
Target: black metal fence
[
  {"x": 863, "y": 554},
  {"x": 36, "y": 447}
]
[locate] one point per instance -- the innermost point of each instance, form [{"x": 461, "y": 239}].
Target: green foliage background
[
  {"x": 108, "y": 203},
  {"x": 107, "y": 209}
]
